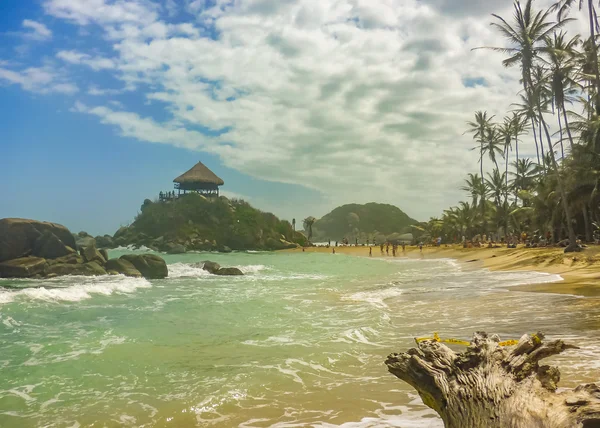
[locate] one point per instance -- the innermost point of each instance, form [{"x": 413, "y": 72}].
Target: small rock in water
[
  {"x": 211, "y": 267},
  {"x": 229, "y": 272}
]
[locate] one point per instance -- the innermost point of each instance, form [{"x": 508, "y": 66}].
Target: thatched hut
[{"x": 199, "y": 179}]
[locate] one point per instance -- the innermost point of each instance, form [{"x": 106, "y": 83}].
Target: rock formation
[
  {"x": 496, "y": 386},
  {"x": 149, "y": 265},
  {"x": 33, "y": 249},
  {"x": 216, "y": 269},
  {"x": 18, "y": 236}
]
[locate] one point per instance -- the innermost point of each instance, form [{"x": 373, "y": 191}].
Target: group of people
[
  {"x": 387, "y": 246},
  {"x": 511, "y": 240}
]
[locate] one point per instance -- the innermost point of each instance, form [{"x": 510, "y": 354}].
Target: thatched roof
[{"x": 199, "y": 174}]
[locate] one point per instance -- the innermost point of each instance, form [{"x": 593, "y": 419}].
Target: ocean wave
[
  {"x": 187, "y": 270},
  {"x": 195, "y": 270},
  {"x": 75, "y": 289},
  {"x": 375, "y": 297},
  {"x": 133, "y": 249}
]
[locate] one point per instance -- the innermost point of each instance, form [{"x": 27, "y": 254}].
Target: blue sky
[{"x": 298, "y": 105}]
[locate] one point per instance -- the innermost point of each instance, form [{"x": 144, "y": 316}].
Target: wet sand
[{"x": 580, "y": 271}]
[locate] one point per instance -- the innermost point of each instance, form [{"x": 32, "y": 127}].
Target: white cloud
[
  {"x": 84, "y": 12},
  {"x": 96, "y": 63},
  {"x": 359, "y": 99},
  {"x": 38, "y": 30},
  {"x": 39, "y": 80}
]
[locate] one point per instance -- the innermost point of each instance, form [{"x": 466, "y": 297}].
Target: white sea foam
[
  {"x": 133, "y": 249},
  {"x": 252, "y": 269},
  {"x": 187, "y": 270},
  {"x": 375, "y": 297},
  {"x": 82, "y": 288}
]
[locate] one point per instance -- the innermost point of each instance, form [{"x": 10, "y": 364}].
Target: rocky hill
[
  {"x": 362, "y": 221},
  {"x": 194, "y": 222}
]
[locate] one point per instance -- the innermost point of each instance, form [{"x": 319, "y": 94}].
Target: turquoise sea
[{"x": 300, "y": 341}]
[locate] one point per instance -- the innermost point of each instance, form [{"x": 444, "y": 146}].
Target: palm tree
[
  {"x": 518, "y": 125},
  {"x": 479, "y": 130},
  {"x": 496, "y": 186},
  {"x": 530, "y": 30},
  {"x": 308, "y": 224},
  {"x": 493, "y": 144},
  {"x": 506, "y": 134},
  {"x": 477, "y": 188},
  {"x": 563, "y": 7},
  {"x": 526, "y": 174},
  {"x": 560, "y": 53},
  {"x": 527, "y": 111}
]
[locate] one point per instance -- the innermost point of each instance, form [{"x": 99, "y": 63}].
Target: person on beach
[
  {"x": 333, "y": 250},
  {"x": 370, "y": 251},
  {"x": 421, "y": 246},
  {"x": 381, "y": 248},
  {"x": 404, "y": 247},
  {"x": 387, "y": 249}
]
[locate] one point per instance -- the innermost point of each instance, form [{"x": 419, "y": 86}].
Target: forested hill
[
  {"x": 362, "y": 221},
  {"x": 194, "y": 222}
]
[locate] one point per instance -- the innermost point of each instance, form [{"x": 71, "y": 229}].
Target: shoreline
[{"x": 580, "y": 271}]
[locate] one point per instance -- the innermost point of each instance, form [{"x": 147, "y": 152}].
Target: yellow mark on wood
[{"x": 436, "y": 338}]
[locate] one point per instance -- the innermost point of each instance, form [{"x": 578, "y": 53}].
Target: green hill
[
  {"x": 362, "y": 222},
  {"x": 198, "y": 223}
]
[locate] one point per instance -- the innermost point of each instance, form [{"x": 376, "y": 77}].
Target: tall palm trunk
[
  {"x": 542, "y": 144},
  {"x": 564, "y": 112},
  {"x": 481, "y": 162},
  {"x": 562, "y": 148},
  {"x": 591, "y": 14},
  {"x": 517, "y": 166},
  {"x": 586, "y": 220},
  {"x": 561, "y": 186},
  {"x": 535, "y": 140}
]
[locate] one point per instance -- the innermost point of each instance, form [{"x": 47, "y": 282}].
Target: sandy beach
[{"x": 580, "y": 271}]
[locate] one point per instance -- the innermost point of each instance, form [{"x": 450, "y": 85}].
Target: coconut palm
[
  {"x": 563, "y": 7},
  {"x": 496, "y": 186},
  {"x": 493, "y": 144},
  {"x": 561, "y": 59},
  {"x": 477, "y": 188},
  {"x": 527, "y": 110},
  {"x": 526, "y": 39},
  {"x": 479, "y": 129},
  {"x": 308, "y": 224},
  {"x": 506, "y": 134}
]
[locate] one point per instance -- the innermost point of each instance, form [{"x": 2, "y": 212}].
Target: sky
[{"x": 298, "y": 105}]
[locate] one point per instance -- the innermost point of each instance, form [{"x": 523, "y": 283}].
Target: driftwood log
[{"x": 492, "y": 386}]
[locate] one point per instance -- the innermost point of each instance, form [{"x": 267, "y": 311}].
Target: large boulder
[
  {"x": 149, "y": 265},
  {"x": 279, "y": 244},
  {"x": 85, "y": 269},
  {"x": 71, "y": 259},
  {"x": 49, "y": 246},
  {"x": 24, "y": 267},
  {"x": 91, "y": 254},
  {"x": 104, "y": 253},
  {"x": 85, "y": 241},
  {"x": 176, "y": 249},
  {"x": 224, "y": 249},
  {"x": 105, "y": 241},
  {"x": 211, "y": 267},
  {"x": 231, "y": 271},
  {"x": 122, "y": 266},
  {"x": 18, "y": 236}
]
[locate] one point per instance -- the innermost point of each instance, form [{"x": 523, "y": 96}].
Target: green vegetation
[
  {"x": 558, "y": 191},
  {"x": 199, "y": 223},
  {"x": 362, "y": 222}
]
